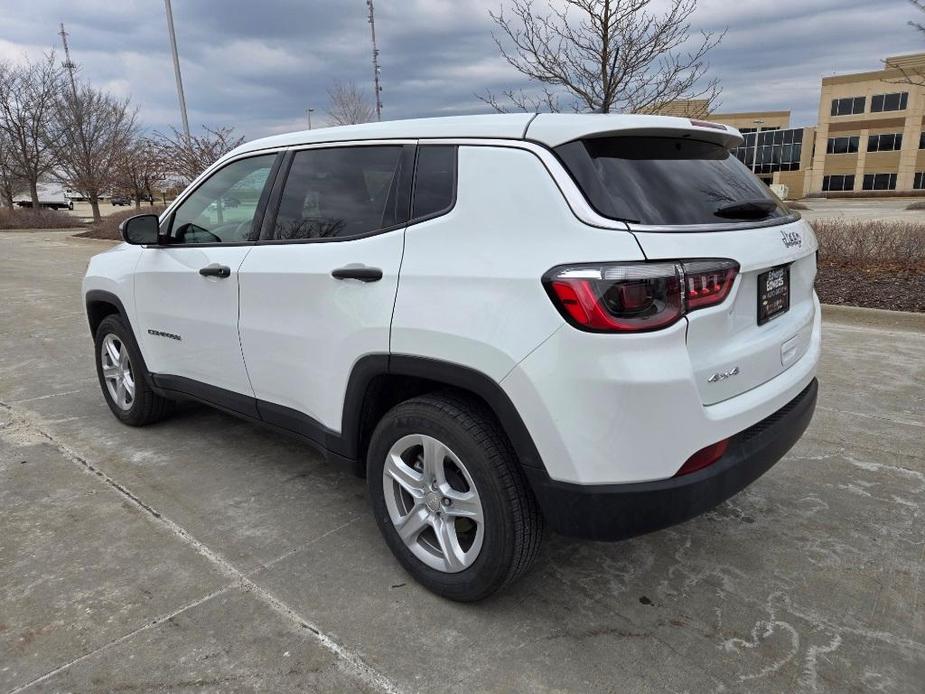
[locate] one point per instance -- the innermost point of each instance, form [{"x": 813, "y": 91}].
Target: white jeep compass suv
[{"x": 601, "y": 324}]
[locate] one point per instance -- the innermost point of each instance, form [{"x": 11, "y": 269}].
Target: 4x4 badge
[{"x": 791, "y": 238}]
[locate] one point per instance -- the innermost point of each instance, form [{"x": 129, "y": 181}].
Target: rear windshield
[{"x": 668, "y": 181}]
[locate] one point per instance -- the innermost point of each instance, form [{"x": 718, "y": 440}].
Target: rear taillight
[{"x": 637, "y": 297}]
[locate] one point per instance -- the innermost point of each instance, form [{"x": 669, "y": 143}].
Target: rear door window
[
  {"x": 340, "y": 192},
  {"x": 434, "y": 180},
  {"x": 668, "y": 181}
]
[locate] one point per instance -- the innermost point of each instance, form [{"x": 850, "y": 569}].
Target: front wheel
[
  {"x": 123, "y": 376},
  {"x": 449, "y": 497}
]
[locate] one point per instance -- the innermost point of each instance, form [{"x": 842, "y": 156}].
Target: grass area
[
  {"x": 109, "y": 227},
  {"x": 876, "y": 264},
  {"x": 27, "y": 218}
]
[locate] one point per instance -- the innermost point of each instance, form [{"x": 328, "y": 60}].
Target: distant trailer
[{"x": 50, "y": 197}]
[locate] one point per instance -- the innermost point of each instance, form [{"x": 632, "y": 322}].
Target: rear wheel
[
  {"x": 123, "y": 376},
  {"x": 449, "y": 497}
]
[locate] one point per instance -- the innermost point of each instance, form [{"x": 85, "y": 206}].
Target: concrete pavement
[{"x": 206, "y": 553}]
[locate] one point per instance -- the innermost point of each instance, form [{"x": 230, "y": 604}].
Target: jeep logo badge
[{"x": 791, "y": 238}]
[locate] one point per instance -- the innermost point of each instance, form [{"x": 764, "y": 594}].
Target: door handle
[
  {"x": 357, "y": 272},
  {"x": 215, "y": 270}
]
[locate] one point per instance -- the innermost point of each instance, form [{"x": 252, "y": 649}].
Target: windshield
[{"x": 668, "y": 181}]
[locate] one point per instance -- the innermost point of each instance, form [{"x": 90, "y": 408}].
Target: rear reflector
[{"x": 705, "y": 457}]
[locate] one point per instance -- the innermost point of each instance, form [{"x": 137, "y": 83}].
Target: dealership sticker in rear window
[{"x": 773, "y": 293}]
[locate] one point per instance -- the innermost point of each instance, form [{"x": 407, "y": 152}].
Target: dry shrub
[
  {"x": 872, "y": 244},
  {"x": 27, "y": 218},
  {"x": 109, "y": 227}
]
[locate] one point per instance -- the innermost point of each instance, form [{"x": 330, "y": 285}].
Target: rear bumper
[{"x": 619, "y": 511}]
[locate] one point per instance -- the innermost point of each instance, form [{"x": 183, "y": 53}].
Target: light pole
[
  {"x": 757, "y": 123},
  {"x": 308, "y": 112},
  {"x": 176, "y": 68}
]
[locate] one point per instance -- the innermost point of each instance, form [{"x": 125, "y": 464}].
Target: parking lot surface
[{"x": 205, "y": 553}]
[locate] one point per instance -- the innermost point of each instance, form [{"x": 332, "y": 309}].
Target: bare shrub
[
  {"x": 108, "y": 228},
  {"x": 27, "y": 218},
  {"x": 898, "y": 245}
]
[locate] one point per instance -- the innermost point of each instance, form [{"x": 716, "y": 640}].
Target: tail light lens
[{"x": 637, "y": 297}]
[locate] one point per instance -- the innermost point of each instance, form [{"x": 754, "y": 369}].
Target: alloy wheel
[
  {"x": 433, "y": 503},
  {"x": 117, "y": 372}
]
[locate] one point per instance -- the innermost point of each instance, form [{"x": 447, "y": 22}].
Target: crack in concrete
[{"x": 347, "y": 660}]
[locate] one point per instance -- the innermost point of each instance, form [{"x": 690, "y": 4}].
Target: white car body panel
[
  {"x": 470, "y": 290},
  {"x": 303, "y": 330},
  {"x": 608, "y": 409},
  {"x": 172, "y": 297},
  {"x": 727, "y": 337}
]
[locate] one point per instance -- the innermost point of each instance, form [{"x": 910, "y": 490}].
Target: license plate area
[{"x": 773, "y": 293}]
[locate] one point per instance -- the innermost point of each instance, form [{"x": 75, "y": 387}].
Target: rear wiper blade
[{"x": 747, "y": 209}]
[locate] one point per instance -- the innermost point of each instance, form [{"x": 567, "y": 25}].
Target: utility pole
[
  {"x": 372, "y": 28},
  {"x": 176, "y": 68},
  {"x": 68, "y": 64},
  {"x": 308, "y": 112}
]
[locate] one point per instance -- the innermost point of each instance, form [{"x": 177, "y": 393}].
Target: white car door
[
  {"x": 186, "y": 289},
  {"x": 317, "y": 291}
]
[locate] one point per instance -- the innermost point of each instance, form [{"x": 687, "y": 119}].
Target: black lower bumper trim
[{"x": 620, "y": 511}]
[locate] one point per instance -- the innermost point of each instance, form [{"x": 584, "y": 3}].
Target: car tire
[
  {"x": 480, "y": 466},
  {"x": 123, "y": 376}
]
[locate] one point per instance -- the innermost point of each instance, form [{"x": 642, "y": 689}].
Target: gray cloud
[{"x": 258, "y": 65}]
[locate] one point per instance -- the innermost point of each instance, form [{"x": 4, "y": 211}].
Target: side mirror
[{"x": 140, "y": 230}]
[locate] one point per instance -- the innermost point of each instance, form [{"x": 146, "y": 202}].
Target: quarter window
[
  {"x": 340, "y": 192},
  {"x": 838, "y": 182},
  {"x": 897, "y": 101},
  {"x": 880, "y": 181},
  {"x": 843, "y": 145},
  {"x": 849, "y": 106},
  {"x": 222, "y": 209},
  {"x": 434, "y": 180},
  {"x": 885, "y": 143}
]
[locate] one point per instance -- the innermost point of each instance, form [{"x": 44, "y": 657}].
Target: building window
[
  {"x": 918, "y": 183},
  {"x": 880, "y": 181},
  {"x": 843, "y": 145},
  {"x": 747, "y": 130},
  {"x": 922, "y": 140},
  {"x": 849, "y": 106},
  {"x": 776, "y": 150},
  {"x": 889, "y": 102},
  {"x": 838, "y": 182},
  {"x": 885, "y": 143}
]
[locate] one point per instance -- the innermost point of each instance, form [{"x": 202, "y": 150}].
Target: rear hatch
[{"x": 687, "y": 197}]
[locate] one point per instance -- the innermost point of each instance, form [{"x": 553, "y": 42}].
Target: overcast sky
[{"x": 258, "y": 64}]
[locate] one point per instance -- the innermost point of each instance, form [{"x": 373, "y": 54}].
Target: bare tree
[
  {"x": 27, "y": 99},
  {"x": 91, "y": 132},
  {"x": 141, "y": 169},
  {"x": 914, "y": 76},
  {"x": 187, "y": 157},
  {"x": 349, "y": 104},
  {"x": 10, "y": 184},
  {"x": 606, "y": 55}
]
